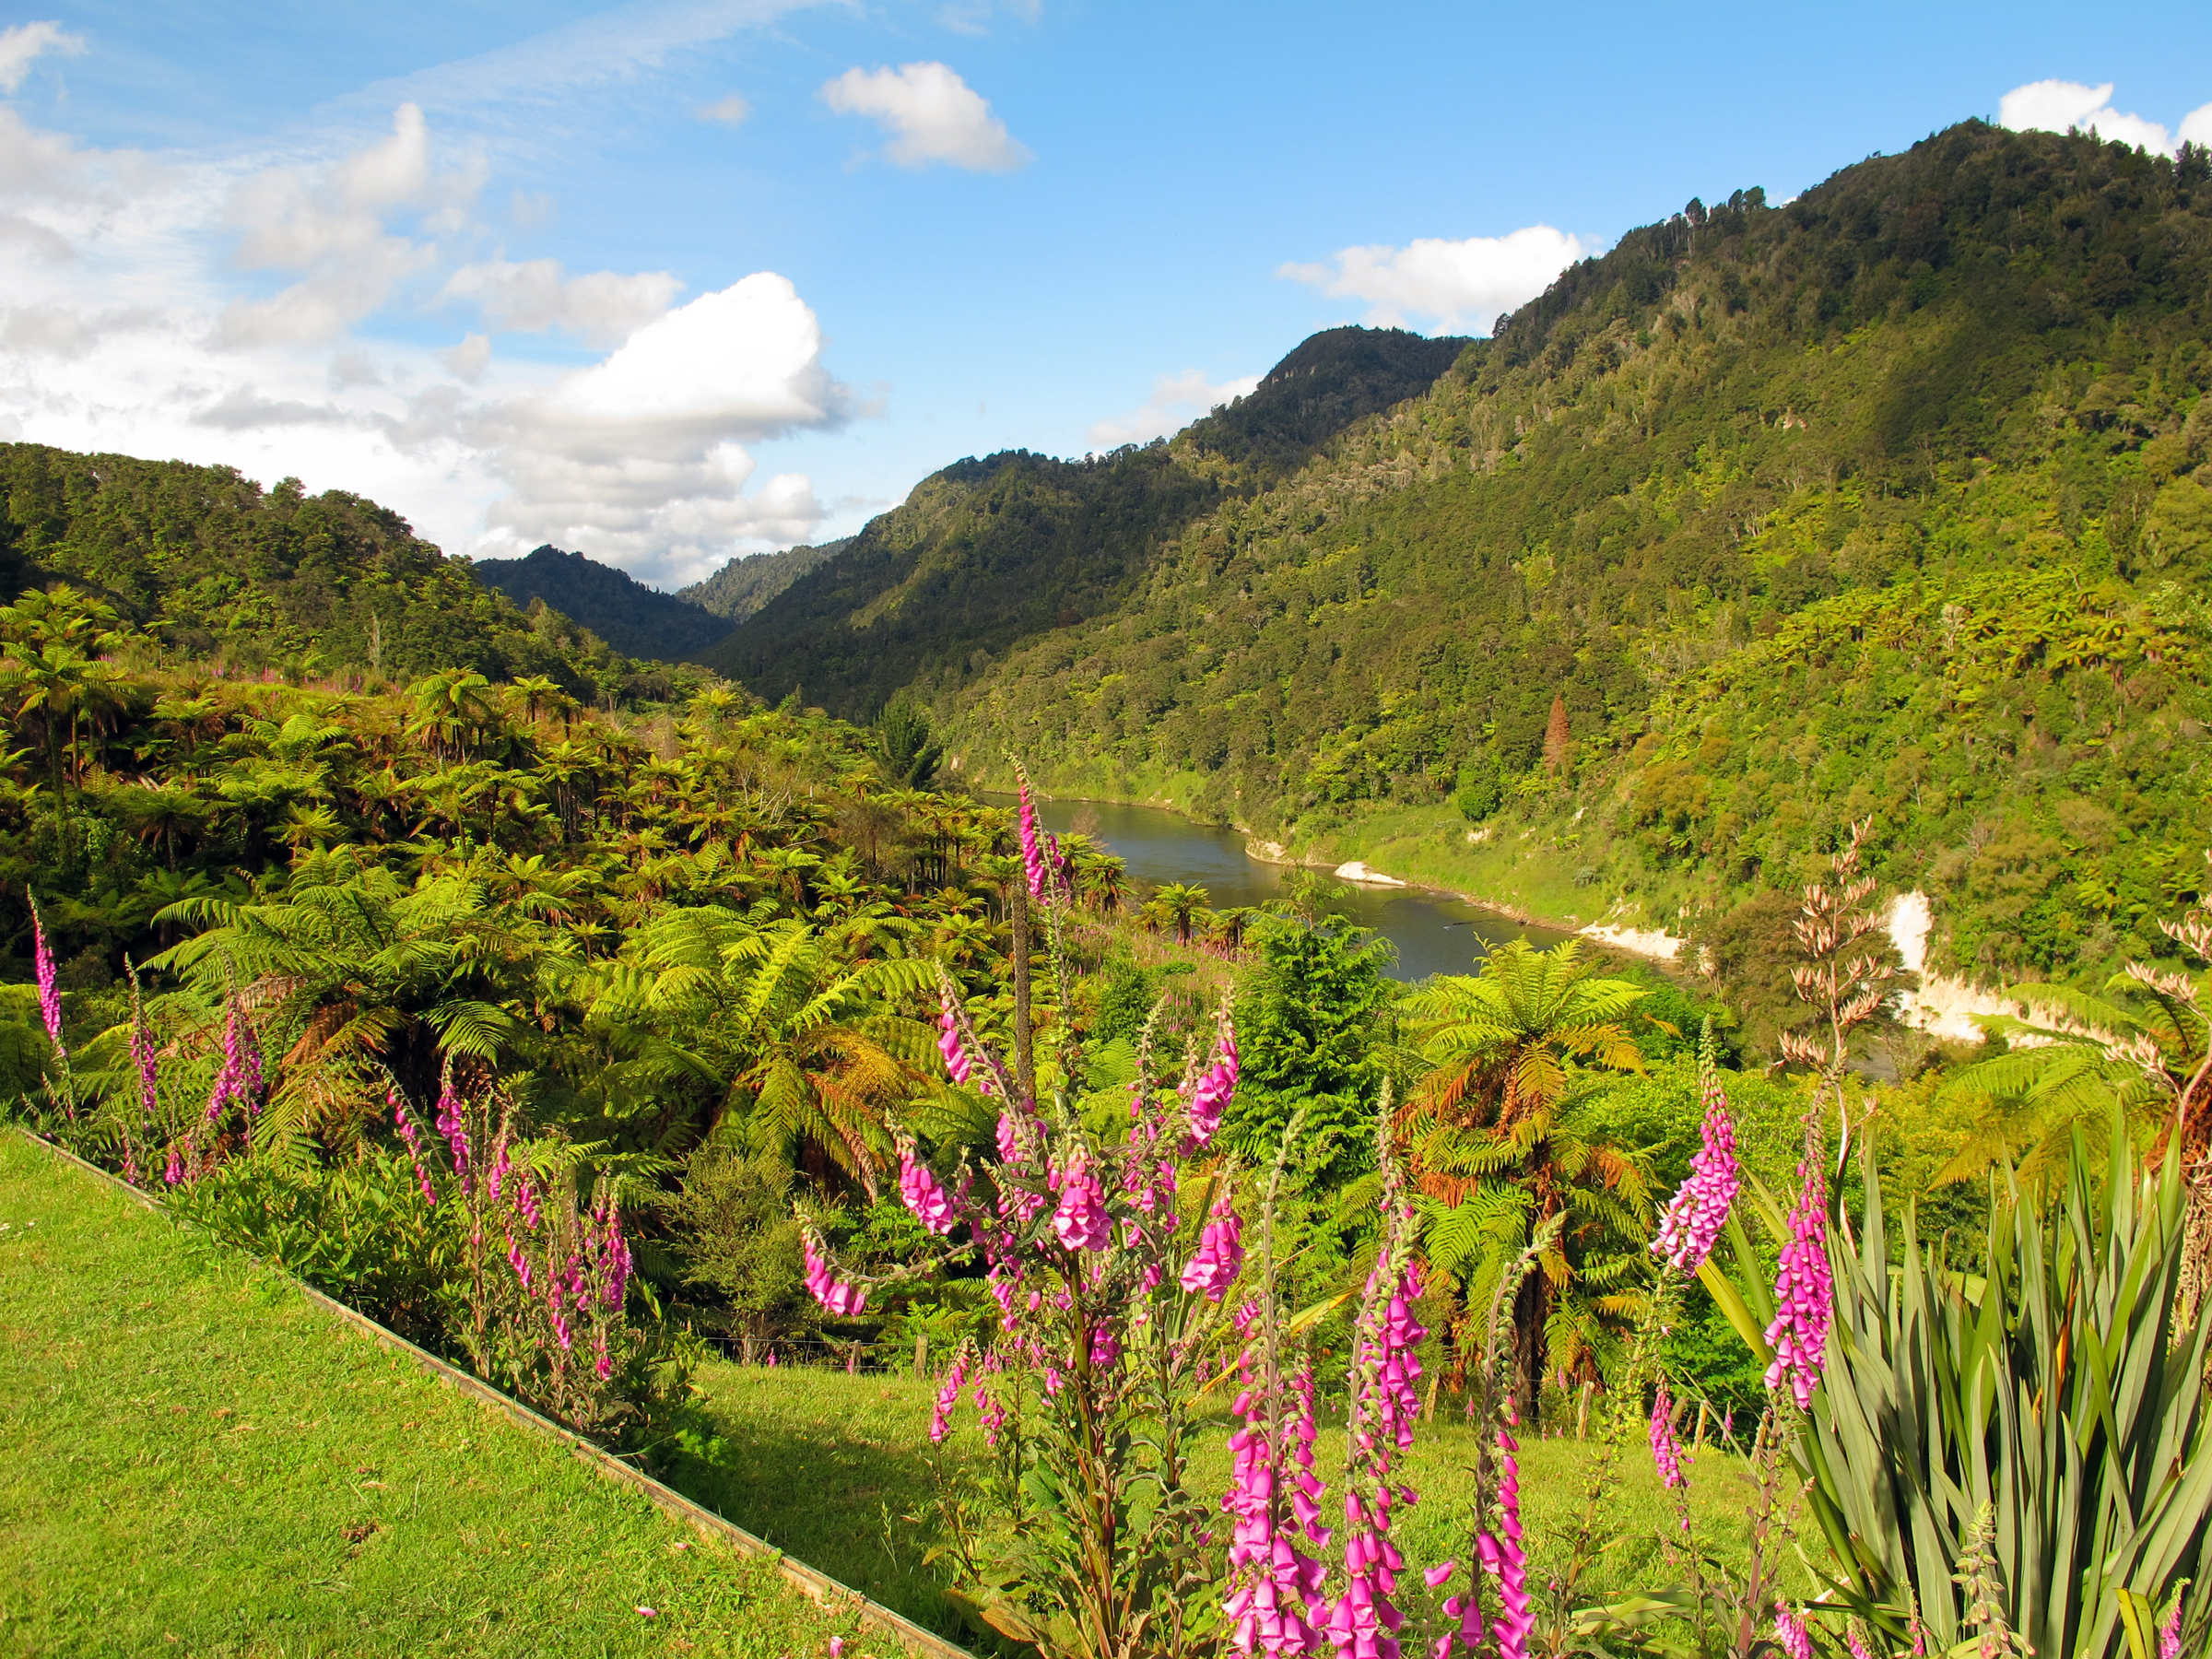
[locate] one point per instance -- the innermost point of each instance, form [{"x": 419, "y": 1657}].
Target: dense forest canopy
[
  {"x": 215, "y": 567},
  {"x": 1896, "y": 489},
  {"x": 743, "y": 586},
  {"x": 987, "y": 555},
  {"x": 614, "y": 605}
]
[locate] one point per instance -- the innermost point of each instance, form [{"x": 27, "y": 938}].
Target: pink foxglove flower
[
  {"x": 1220, "y": 1253},
  {"x": 1799, "y": 1334},
  {"x": 1790, "y": 1633},
  {"x": 1700, "y": 1210},
  {"x": 142, "y": 1054},
  {"x": 409, "y": 1133},
  {"x": 453, "y": 1125},
  {"x": 173, "y": 1173},
  {"x": 239, "y": 1077},
  {"x": 940, "y": 1417},
  {"x": 1853, "y": 1640},
  {"x": 1667, "y": 1452},
  {"x": 1080, "y": 1221},
  {"x": 1032, "y": 856},
  {"x": 2169, "y": 1633},
  {"x": 924, "y": 1194},
  {"x": 948, "y": 1038},
  {"x": 1275, "y": 1587},
  {"x": 1213, "y": 1092},
  {"x": 839, "y": 1298},
  {"x": 50, "y": 993},
  {"x": 1506, "y": 1558}
]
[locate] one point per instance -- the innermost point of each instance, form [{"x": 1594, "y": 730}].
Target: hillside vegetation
[
  {"x": 987, "y": 555},
  {"x": 613, "y": 604},
  {"x": 1888, "y": 503},
  {"x": 743, "y": 586},
  {"x": 213, "y": 568}
]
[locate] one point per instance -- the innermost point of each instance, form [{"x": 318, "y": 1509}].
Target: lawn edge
[{"x": 826, "y": 1592}]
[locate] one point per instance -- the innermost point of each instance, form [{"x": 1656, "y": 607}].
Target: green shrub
[{"x": 357, "y": 1230}]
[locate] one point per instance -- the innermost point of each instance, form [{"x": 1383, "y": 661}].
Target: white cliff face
[
  {"x": 1944, "y": 1007},
  {"x": 1652, "y": 942},
  {"x": 1357, "y": 871},
  {"x": 1912, "y": 919}
]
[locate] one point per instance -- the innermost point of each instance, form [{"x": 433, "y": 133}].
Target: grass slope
[
  {"x": 839, "y": 1471},
  {"x": 202, "y": 1461}
]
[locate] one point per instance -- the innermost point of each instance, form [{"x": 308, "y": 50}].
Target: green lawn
[
  {"x": 839, "y": 1471},
  {"x": 200, "y": 1461},
  {"x": 833, "y": 1469}
]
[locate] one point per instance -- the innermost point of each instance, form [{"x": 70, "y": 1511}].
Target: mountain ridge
[
  {"x": 743, "y": 586},
  {"x": 988, "y": 552},
  {"x": 1960, "y": 386},
  {"x": 631, "y": 617}
]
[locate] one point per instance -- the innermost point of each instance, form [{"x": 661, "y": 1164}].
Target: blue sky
[{"x": 313, "y": 239}]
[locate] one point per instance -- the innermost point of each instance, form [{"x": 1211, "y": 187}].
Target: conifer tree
[{"x": 1555, "y": 739}]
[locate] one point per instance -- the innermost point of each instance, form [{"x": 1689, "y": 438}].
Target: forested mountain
[
  {"x": 613, "y": 604},
  {"x": 211, "y": 566},
  {"x": 988, "y": 554},
  {"x": 743, "y": 585},
  {"x": 1888, "y": 503}
]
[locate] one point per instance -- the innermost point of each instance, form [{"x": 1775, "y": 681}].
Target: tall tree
[
  {"x": 1502, "y": 1144},
  {"x": 1557, "y": 742}
]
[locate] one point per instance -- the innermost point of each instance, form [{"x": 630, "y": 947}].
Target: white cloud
[
  {"x": 1456, "y": 284},
  {"x": 149, "y": 338},
  {"x": 469, "y": 358},
  {"x": 601, "y": 308},
  {"x": 332, "y": 228},
  {"x": 21, "y": 45},
  {"x": 731, "y": 110},
  {"x": 641, "y": 459},
  {"x": 1176, "y": 401},
  {"x": 36, "y": 164},
  {"x": 2055, "y": 106},
  {"x": 933, "y": 115}
]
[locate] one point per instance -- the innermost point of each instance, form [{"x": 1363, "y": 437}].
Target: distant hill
[
  {"x": 214, "y": 566},
  {"x": 986, "y": 555},
  {"x": 1892, "y": 505},
  {"x": 743, "y": 585},
  {"x": 614, "y": 605}
]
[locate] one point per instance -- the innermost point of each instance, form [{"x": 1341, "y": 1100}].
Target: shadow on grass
[{"x": 836, "y": 1470}]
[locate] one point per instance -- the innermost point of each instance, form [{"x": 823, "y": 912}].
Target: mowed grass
[
  {"x": 197, "y": 1460},
  {"x": 839, "y": 1471},
  {"x": 834, "y": 1469}
]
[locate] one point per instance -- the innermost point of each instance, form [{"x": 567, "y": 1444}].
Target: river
[{"x": 1434, "y": 933}]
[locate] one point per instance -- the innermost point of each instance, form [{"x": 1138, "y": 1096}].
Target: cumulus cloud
[
  {"x": 731, "y": 110},
  {"x": 332, "y": 226},
  {"x": 149, "y": 339},
  {"x": 1176, "y": 401},
  {"x": 21, "y": 46},
  {"x": 641, "y": 456},
  {"x": 2056, "y": 106},
  {"x": 469, "y": 358},
  {"x": 35, "y": 164},
  {"x": 1455, "y": 284},
  {"x": 933, "y": 115},
  {"x": 602, "y": 307}
]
